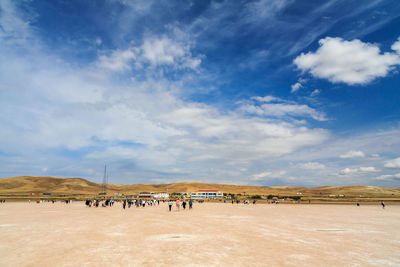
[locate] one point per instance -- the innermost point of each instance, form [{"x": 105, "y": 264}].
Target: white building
[
  {"x": 207, "y": 194},
  {"x": 161, "y": 195}
]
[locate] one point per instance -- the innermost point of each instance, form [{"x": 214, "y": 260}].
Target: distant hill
[{"x": 57, "y": 185}]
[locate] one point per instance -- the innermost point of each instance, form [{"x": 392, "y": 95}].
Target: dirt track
[{"x": 209, "y": 235}]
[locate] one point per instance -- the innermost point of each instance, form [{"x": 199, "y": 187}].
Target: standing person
[
  {"x": 184, "y": 204},
  {"x": 170, "y": 204},
  {"x": 383, "y": 204},
  {"x": 178, "y": 204},
  {"x": 124, "y": 204},
  {"x": 190, "y": 204}
]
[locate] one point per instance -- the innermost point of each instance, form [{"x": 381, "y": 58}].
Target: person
[
  {"x": 190, "y": 204},
  {"x": 124, "y": 204},
  {"x": 358, "y": 204},
  {"x": 178, "y": 204},
  {"x": 184, "y": 204},
  {"x": 383, "y": 204},
  {"x": 170, "y": 204}
]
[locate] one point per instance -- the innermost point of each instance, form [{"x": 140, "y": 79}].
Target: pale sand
[{"x": 209, "y": 235}]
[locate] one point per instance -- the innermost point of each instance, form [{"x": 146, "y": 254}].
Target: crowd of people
[
  {"x": 66, "y": 201},
  {"x": 178, "y": 204},
  {"x": 139, "y": 203}
]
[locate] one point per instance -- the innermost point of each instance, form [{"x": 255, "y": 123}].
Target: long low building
[
  {"x": 161, "y": 195},
  {"x": 207, "y": 194},
  {"x": 153, "y": 195}
]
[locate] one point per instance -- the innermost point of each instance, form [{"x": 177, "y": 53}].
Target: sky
[{"x": 263, "y": 92}]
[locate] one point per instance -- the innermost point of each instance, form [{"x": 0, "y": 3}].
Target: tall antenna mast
[{"x": 105, "y": 180}]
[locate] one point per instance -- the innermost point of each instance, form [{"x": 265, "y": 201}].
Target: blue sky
[{"x": 258, "y": 92}]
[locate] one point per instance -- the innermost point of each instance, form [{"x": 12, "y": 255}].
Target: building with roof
[
  {"x": 161, "y": 195},
  {"x": 145, "y": 195},
  {"x": 207, "y": 194}
]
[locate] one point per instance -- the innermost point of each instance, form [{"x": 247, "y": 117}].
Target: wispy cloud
[
  {"x": 352, "y": 154},
  {"x": 348, "y": 171},
  {"x": 393, "y": 164},
  {"x": 311, "y": 165},
  {"x": 280, "y": 108},
  {"x": 315, "y": 92},
  {"x": 388, "y": 177}
]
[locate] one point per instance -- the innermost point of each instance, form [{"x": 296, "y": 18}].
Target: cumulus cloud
[
  {"x": 235, "y": 136},
  {"x": 393, "y": 164},
  {"x": 347, "y": 171},
  {"x": 352, "y": 154},
  {"x": 160, "y": 51},
  {"x": 351, "y": 62},
  {"x": 154, "y": 52},
  {"x": 311, "y": 166}
]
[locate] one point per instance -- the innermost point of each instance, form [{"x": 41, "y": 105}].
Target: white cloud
[
  {"x": 315, "y": 92},
  {"x": 98, "y": 41},
  {"x": 311, "y": 166},
  {"x": 367, "y": 169},
  {"x": 154, "y": 52},
  {"x": 234, "y": 136},
  {"x": 396, "y": 46},
  {"x": 261, "y": 175},
  {"x": 352, "y": 154},
  {"x": 14, "y": 28},
  {"x": 393, "y": 164},
  {"x": 282, "y": 109},
  {"x": 388, "y": 177},
  {"x": 117, "y": 61},
  {"x": 299, "y": 84},
  {"x": 269, "y": 174},
  {"x": 295, "y": 87},
  {"x": 351, "y": 62},
  {"x": 266, "y": 99},
  {"x": 165, "y": 51},
  {"x": 347, "y": 171}
]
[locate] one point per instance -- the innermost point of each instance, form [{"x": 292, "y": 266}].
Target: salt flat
[{"x": 211, "y": 234}]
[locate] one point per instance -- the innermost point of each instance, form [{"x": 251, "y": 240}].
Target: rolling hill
[{"x": 57, "y": 185}]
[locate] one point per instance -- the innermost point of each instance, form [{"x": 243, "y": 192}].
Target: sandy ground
[{"x": 208, "y": 235}]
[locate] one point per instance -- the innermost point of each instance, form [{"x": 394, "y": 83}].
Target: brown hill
[{"x": 56, "y": 185}]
